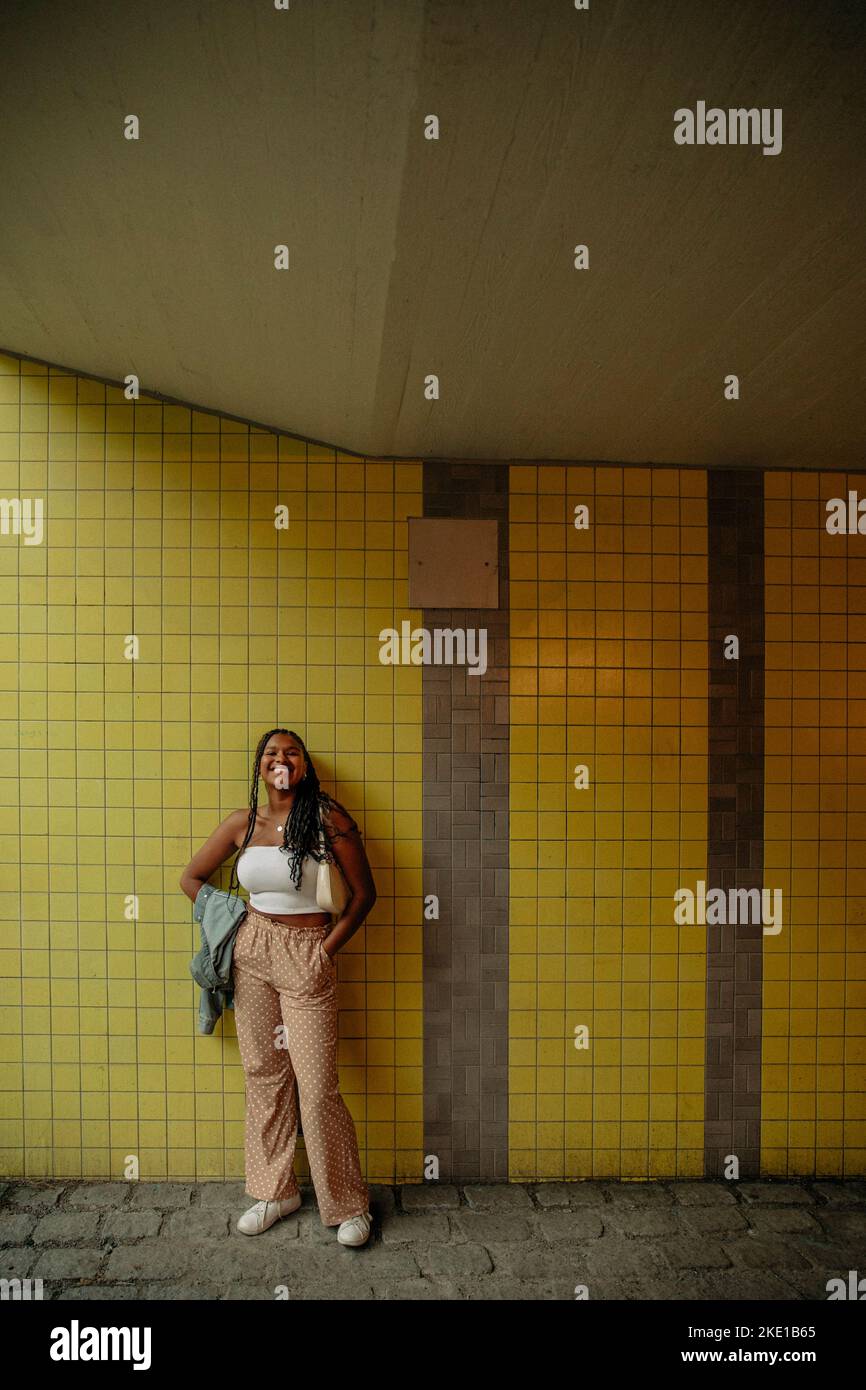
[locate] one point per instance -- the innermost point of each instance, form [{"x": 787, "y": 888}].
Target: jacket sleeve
[{"x": 209, "y": 1010}]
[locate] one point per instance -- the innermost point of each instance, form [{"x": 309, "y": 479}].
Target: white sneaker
[
  {"x": 264, "y": 1214},
  {"x": 355, "y": 1231}
]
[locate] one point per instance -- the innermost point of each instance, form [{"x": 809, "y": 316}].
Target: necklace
[{"x": 278, "y": 828}]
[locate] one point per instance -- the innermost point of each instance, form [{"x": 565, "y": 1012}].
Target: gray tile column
[
  {"x": 465, "y": 859},
  {"x": 735, "y": 822}
]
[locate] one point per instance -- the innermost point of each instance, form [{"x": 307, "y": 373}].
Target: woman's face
[{"x": 283, "y": 763}]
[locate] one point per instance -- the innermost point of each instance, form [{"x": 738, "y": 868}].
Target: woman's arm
[
  {"x": 215, "y": 850},
  {"x": 347, "y": 848}
]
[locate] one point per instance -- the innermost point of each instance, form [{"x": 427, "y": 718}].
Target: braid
[
  {"x": 254, "y": 798},
  {"x": 302, "y": 827}
]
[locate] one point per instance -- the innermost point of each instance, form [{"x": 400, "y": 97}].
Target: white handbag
[{"x": 332, "y": 892}]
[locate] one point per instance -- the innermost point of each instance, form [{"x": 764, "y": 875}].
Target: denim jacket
[{"x": 219, "y": 915}]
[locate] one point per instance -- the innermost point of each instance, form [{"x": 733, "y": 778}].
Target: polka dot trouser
[{"x": 285, "y": 1007}]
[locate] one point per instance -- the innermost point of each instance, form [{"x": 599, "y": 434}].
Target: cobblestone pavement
[{"x": 659, "y": 1240}]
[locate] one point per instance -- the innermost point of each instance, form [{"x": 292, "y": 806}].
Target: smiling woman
[{"x": 284, "y": 980}]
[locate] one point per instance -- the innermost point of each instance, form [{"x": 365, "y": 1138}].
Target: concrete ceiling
[{"x": 454, "y": 257}]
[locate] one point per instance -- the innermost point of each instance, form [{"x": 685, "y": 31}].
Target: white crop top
[{"x": 264, "y": 871}]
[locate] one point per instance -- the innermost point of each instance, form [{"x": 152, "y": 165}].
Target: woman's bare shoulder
[{"x": 237, "y": 822}]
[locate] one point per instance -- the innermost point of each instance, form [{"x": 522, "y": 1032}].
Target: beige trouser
[{"x": 285, "y": 1005}]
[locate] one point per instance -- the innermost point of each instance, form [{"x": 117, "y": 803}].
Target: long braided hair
[{"x": 302, "y": 828}]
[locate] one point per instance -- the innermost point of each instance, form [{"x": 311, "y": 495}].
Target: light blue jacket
[{"x": 219, "y": 915}]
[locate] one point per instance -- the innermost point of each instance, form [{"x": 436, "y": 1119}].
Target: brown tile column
[
  {"x": 465, "y": 862},
  {"x": 735, "y": 852}
]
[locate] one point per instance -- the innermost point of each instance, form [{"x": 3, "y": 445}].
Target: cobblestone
[
  {"x": 631, "y": 1221},
  {"x": 702, "y": 1194},
  {"x": 503, "y": 1197},
  {"x": 123, "y": 1226},
  {"x": 843, "y": 1194},
  {"x": 163, "y": 1195},
  {"x": 67, "y": 1228},
  {"x": 788, "y": 1193},
  {"x": 416, "y": 1230},
  {"x": 68, "y": 1263},
  {"x": 631, "y": 1194},
  {"x": 515, "y": 1241},
  {"x": 716, "y": 1220},
  {"x": 16, "y": 1227},
  {"x": 430, "y": 1197},
  {"x": 109, "y": 1195},
  {"x": 569, "y": 1225},
  {"x": 758, "y": 1252}
]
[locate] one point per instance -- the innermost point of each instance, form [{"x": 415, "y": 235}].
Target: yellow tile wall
[
  {"x": 813, "y": 1073},
  {"x": 159, "y": 523},
  {"x": 608, "y": 669}
]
